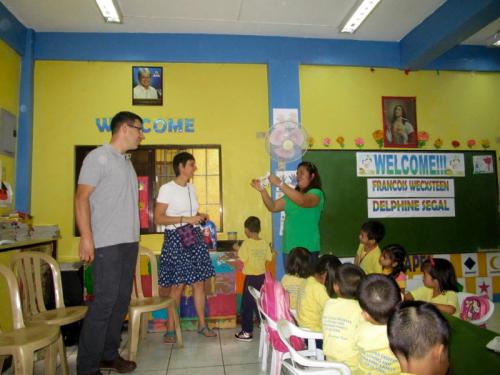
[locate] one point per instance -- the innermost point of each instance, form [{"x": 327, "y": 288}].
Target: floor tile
[
  {"x": 213, "y": 370},
  {"x": 153, "y": 354},
  {"x": 248, "y": 369},
  {"x": 196, "y": 356}
]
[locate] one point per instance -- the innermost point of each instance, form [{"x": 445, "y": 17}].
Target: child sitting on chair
[
  {"x": 315, "y": 291},
  {"x": 342, "y": 316},
  {"x": 297, "y": 270},
  {"x": 419, "y": 336},
  {"x": 378, "y": 297},
  {"x": 368, "y": 253},
  {"x": 254, "y": 253},
  {"x": 440, "y": 286}
]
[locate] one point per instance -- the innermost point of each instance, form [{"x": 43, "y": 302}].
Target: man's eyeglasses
[{"x": 141, "y": 130}]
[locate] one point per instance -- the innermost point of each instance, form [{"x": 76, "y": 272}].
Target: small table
[{"x": 468, "y": 352}]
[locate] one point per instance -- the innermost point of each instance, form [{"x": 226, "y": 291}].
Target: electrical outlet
[{"x": 497, "y": 139}]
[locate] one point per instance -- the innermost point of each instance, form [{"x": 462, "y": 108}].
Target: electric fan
[{"x": 286, "y": 142}]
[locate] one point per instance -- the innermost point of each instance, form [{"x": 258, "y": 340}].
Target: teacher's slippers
[{"x": 207, "y": 332}]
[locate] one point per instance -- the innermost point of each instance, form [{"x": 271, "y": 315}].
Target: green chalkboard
[{"x": 475, "y": 225}]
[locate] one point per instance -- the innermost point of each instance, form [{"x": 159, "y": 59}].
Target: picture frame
[
  {"x": 147, "y": 85},
  {"x": 399, "y": 118}
]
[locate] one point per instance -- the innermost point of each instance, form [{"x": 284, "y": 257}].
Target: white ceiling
[{"x": 391, "y": 20}]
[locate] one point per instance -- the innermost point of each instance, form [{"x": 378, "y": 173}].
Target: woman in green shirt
[{"x": 302, "y": 206}]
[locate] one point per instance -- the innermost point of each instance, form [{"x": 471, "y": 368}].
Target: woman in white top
[{"x": 180, "y": 264}]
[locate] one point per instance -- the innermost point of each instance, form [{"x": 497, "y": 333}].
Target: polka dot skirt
[{"x": 180, "y": 265}]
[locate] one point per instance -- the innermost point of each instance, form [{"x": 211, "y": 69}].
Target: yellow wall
[
  {"x": 228, "y": 102},
  {"x": 342, "y": 101},
  {"x": 10, "y": 73}
]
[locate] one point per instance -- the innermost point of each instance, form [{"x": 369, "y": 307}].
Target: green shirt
[{"x": 302, "y": 224}]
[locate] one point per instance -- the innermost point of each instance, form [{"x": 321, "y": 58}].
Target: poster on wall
[
  {"x": 285, "y": 114},
  {"x": 410, "y": 187},
  {"x": 410, "y": 164},
  {"x": 411, "y": 207},
  {"x": 5, "y": 194},
  {"x": 147, "y": 85},
  {"x": 399, "y": 114},
  {"x": 482, "y": 164}
]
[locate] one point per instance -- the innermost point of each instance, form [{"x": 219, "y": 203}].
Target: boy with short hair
[
  {"x": 254, "y": 253},
  {"x": 342, "y": 316},
  {"x": 368, "y": 253},
  {"x": 378, "y": 297},
  {"x": 419, "y": 336}
]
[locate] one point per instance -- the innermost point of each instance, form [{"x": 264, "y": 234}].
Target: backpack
[
  {"x": 474, "y": 307},
  {"x": 275, "y": 303}
]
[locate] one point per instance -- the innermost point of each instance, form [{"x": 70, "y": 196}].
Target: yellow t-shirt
[
  {"x": 446, "y": 298},
  {"x": 369, "y": 263},
  {"x": 254, "y": 254},
  {"x": 341, "y": 319},
  {"x": 312, "y": 297},
  {"x": 375, "y": 355},
  {"x": 292, "y": 284}
]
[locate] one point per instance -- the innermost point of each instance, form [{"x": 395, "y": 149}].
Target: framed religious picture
[
  {"x": 399, "y": 114},
  {"x": 147, "y": 85}
]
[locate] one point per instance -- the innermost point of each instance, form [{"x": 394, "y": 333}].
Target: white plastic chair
[
  {"x": 308, "y": 366},
  {"x": 277, "y": 357},
  {"x": 482, "y": 321},
  {"x": 263, "y": 340}
]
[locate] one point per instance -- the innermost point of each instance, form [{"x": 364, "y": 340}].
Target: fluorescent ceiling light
[
  {"x": 495, "y": 40},
  {"x": 357, "y": 15},
  {"x": 109, "y": 11}
]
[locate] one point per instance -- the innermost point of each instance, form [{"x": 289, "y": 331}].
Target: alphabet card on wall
[{"x": 469, "y": 264}]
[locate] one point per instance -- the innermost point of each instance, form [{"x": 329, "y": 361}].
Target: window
[
  {"x": 207, "y": 178},
  {"x": 154, "y": 168}
]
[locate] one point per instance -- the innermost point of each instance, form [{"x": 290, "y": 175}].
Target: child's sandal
[{"x": 170, "y": 337}]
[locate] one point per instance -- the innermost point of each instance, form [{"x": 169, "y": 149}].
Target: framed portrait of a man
[
  {"x": 399, "y": 114},
  {"x": 147, "y": 85}
]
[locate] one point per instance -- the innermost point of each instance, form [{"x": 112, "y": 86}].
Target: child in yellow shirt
[
  {"x": 393, "y": 262},
  {"x": 313, "y": 294},
  {"x": 378, "y": 297},
  {"x": 440, "y": 286},
  {"x": 419, "y": 336},
  {"x": 342, "y": 316},
  {"x": 254, "y": 253},
  {"x": 298, "y": 269},
  {"x": 368, "y": 253}
]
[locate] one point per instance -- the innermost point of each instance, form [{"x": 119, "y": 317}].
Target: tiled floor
[{"x": 222, "y": 355}]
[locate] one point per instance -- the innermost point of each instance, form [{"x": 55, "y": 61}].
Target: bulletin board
[{"x": 474, "y": 226}]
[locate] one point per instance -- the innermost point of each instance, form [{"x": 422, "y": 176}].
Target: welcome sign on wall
[
  {"x": 157, "y": 125},
  {"x": 410, "y": 197}
]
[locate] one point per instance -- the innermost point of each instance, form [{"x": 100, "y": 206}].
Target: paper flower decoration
[
  {"x": 471, "y": 143},
  {"x": 455, "y": 144},
  {"x": 485, "y": 143},
  {"x": 341, "y": 141},
  {"x": 378, "y": 136},
  {"x": 327, "y": 141},
  {"x": 359, "y": 142},
  {"x": 438, "y": 143},
  {"x": 422, "y": 138},
  {"x": 310, "y": 141}
]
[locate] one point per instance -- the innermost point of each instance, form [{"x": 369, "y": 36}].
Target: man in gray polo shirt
[{"x": 107, "y": 215}]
